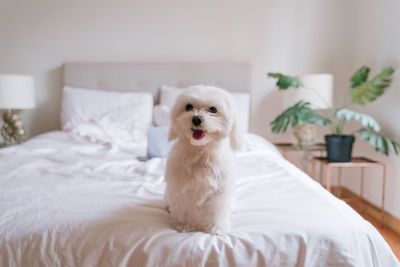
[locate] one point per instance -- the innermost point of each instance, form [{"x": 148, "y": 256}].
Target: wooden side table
[
  {"x": 309, "y": 151},
  {"x": 359, "y": 162},
  {"x": 289, "y": 147}
]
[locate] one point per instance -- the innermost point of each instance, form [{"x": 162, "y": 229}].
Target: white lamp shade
[
  {"x": 16, "y": 91},
  {"x": 317, "y": 90}
]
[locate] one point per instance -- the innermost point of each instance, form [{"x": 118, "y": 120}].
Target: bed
[{"x": 69, "y": 201}]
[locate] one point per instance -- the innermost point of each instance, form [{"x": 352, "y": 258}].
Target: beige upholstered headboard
[{"x": 150, "y": 76}]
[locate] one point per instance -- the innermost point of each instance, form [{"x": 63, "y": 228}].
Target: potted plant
[{"x": 339, "y": 145}]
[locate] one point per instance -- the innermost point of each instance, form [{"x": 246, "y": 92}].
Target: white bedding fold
[{"x": 65, "y": 202}]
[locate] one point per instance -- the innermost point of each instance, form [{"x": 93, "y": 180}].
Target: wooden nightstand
[
  {"x": 289, "y": 147},
  {"x": 355, "y": 162},
  {"x": 309, "y": 151},
  {"x": 3, "y": 145}
]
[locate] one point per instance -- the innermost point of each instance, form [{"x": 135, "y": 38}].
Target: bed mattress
[{"x": 68, "y": 202}]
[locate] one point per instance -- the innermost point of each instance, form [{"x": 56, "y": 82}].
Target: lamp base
[
  {"x": 305, "y": 134},
  {"x": 12, "y": 129}
]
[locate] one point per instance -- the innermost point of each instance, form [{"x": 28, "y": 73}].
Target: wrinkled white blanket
[{"x": 66, "y": 202}]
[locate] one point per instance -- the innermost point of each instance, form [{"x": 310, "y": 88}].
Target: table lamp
[
  {"x": 16, "y": 93},
  {"x": 317, "y": 90}
]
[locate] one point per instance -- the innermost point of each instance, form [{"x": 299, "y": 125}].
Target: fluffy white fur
[{"x": 200, "y": 173}]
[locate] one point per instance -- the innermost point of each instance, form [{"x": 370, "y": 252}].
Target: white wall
[
  {"x": 37, "y": 37},
  {"x": 378, "y": 46}
]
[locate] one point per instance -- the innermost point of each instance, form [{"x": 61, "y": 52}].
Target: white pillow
[
  {"x": 169, "y": 94},
  {"x": 243, "y": 110},
  {"x": 161, "y": 115},
  {"x": 115, "y": 118},
  {"x": 158, "y": 144}
]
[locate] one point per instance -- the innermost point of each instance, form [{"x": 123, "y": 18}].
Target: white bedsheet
[{"x": 65, "y": 202}]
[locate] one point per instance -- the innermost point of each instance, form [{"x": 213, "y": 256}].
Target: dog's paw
[
  {"x": 179, "y": 227},
  {"x": 215, "y": 230},
  {"x": 183, "y": 228}
]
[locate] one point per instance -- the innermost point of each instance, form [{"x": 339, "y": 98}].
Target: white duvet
[{"x": 65, "y": 202}]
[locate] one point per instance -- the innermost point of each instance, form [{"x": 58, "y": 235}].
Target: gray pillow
[{"x": 157, "y": 142}]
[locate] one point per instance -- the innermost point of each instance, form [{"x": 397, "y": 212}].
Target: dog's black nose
[{"x": 196, "y": 120}]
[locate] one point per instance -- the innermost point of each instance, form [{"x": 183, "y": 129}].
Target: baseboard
[{"x": 389, "y": 220}]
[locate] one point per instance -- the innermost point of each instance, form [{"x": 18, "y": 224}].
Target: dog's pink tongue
[{"x": 198, "y": 134}]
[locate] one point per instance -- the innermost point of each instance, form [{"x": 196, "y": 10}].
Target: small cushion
[{"x": 158, "y": 144}]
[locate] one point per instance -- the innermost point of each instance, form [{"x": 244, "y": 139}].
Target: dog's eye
[
  {"x": 212, "y": 109},
  {"x": 189, "y": 107}
]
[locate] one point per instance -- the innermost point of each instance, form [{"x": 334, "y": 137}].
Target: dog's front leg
[{"x": 220, "y": 218}]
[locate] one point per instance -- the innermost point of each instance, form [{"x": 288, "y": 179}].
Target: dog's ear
[
  {"x": 235, "y": 136},
  {"x": 172, "y": 134}
]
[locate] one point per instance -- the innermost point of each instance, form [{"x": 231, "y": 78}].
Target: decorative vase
[
  {"x": 339, "y": 148},
  {"x": 305, "y": 133},
  {"x": 12, "y": 129}
]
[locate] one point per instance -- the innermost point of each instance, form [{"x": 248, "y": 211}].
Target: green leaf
[
  {"x": 364, "y": 119},
  {"x": 360, "y": 76},
  {"x": 384, "y": 74},
  {"x": 367, "y": 91},
  {"x": 393, "y": 147},
  {"x": 315, "y": 118},
  {"x": 379, "y": 142},
  {"x": 284, "y": 81},
  {"x": 298, "y": 113}
]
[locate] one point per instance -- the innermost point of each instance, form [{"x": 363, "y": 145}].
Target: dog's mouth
[{"x": 198, "y": 134}]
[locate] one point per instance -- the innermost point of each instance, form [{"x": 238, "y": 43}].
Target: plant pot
[
  {"x": 305, "y": 133},
  {"x": 339, "y": 147}
]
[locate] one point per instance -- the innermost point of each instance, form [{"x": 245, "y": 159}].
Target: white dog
[{"x": 199, "y": 173}]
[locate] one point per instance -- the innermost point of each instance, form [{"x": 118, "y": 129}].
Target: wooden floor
[{"x": 390, "y": 236}]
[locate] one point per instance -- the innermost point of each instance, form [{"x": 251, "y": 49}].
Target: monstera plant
[{"x": 362, "y": 91}]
